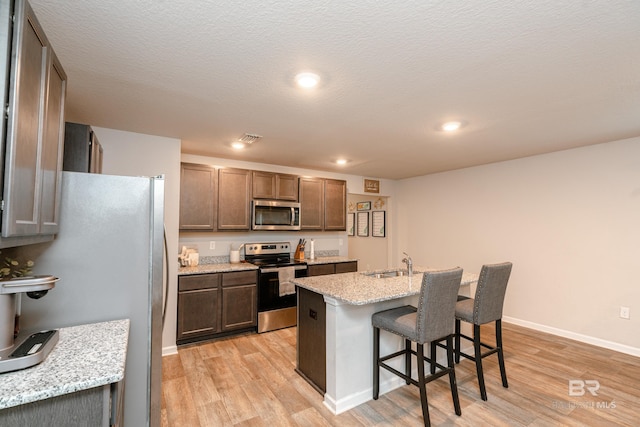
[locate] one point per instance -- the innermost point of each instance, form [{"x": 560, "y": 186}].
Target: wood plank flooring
[{"x": 249, "y": 380}]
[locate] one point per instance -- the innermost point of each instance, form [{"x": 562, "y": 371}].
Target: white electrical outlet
[
  {"x": 212, "y": 245},
  {"x": 625, "y": 312},
  {"x": 340, "y": 242}
]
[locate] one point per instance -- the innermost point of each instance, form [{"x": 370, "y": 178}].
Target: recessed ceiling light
[
  {"x": 341, "y": 162},
  {"x": 307, "y": 80},
  {"x": 451, "y": 126},
  {"x": 238, "y": 145}
]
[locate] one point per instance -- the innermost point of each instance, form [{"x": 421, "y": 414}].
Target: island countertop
[
  {"x": 85, "y": 356},
  {"x": 359, "y": 289}
]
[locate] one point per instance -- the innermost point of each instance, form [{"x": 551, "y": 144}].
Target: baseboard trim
[
  {"x": 622, "y": 348},
  {"x": 169, "y": 350}
]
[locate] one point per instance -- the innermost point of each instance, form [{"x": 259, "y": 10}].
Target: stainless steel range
[{"x": 277, "y": 298}]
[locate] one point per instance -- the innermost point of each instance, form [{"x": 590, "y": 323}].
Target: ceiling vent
[{"x": 249, "y": 138}]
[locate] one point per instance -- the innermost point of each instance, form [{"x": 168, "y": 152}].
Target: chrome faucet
[{"x": 409, "y": 263}]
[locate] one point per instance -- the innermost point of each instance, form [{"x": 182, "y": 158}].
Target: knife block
[{"x": 299, "y": 254}]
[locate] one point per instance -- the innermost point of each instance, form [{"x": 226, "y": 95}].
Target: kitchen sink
[{"x": 386, "y": 274}]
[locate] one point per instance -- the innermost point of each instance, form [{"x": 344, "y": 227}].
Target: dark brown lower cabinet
[
  {"x": 239, "y": 308},
  {"x": 332, "y": 268},
  {"x": 311, "y": 339},
  {"x": 216, "y": 303}
]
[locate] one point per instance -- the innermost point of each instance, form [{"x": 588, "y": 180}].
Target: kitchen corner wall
[
  {"x": 333, "y": 242},
  {"x": 135, "y": 154},
  {"x": 569, "y": 222}
]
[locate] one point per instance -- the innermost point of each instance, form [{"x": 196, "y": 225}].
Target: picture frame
[
  {"x": 350, "y": 224},
  {"x": 363, "y": 224},
  {"x": 363, "y": 206},
  {"x": 378, "y": 223},
  {"x": 371, "y": 186}
]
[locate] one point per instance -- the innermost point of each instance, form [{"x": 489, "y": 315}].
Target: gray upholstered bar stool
[
  {"x": 484, "y": 308},
  {"x": 432, "y": 320}
]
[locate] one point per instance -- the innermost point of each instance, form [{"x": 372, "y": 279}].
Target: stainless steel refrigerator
[{"x": 109, "y": 258}]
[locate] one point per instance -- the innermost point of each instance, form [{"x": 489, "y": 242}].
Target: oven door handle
[{"x": 276, "y": 269}]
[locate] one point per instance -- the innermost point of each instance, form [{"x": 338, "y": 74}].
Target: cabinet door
[
  {"x": 346, "y": 267},
  {"x": 52, "y": 147},
  {"x": 311, "y": 203},
  {"x": 312, "y": 337},
  {"x": 239, "y": 307},
  {"x": 197, "y": 197},
  {"x": 287, "y": 187},
  {"x": 234, "y": 199},
  {"x": 321, "y": 269},
  {"x": 198, "y": 305},
  {"x": 264, "y": 185},
  {"x": 335, "y": 205},
  {"x": 22, "y": 177}
]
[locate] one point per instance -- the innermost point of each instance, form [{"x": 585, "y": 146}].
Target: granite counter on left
[
  {"x": 216, "y": 268},
  {"x": 85, "y": 357}
]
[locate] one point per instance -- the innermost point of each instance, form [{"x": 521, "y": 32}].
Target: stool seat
[
  {"x": 464, "y": 310},
  {"x": 400, "y": 321},
  {"x": 432, "y": 320}
]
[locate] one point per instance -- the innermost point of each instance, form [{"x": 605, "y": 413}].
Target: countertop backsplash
[{"x": 224, "y": 259}]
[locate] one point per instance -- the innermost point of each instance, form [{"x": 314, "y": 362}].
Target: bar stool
[
  {"x": 432, "y": 320},
  {"x": 485, "y": 307}
]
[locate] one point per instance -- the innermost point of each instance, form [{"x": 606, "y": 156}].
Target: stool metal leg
[
  {"x": 421, "y": 385},
  {"x": 407, "y": 360},
  {"x": 452, "y": 376},
  {"x": 478, "y": 358},
  {"x": 457, "y": 346},
  {"x": 376, "y": 363},
  {"x": 503, "y": 372},
  {"x": 434, "y": 357}
]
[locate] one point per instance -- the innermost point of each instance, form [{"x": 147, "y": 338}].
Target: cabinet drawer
[
  {"x": 199, "y": 281},
  {"x": 240, "y": 278}
]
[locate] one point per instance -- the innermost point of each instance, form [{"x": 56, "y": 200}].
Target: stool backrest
[
  {"x": 492, "y": 287},
  {"x": 437, "y": 304}
]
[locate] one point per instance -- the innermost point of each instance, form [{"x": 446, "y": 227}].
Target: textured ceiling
[{"x": 527, "y": 77}]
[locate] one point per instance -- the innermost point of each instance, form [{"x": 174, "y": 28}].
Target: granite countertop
[
  {"x": 216, "y": 268},
  {"x": 222, "y": 267},
  {"x": 358, "y": 289},
  {"x": 85, "y": 356}
]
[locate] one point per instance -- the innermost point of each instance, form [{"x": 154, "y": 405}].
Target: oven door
[
  {"x": 269, "y": 289},
  {"x": 275, "y": 311}
]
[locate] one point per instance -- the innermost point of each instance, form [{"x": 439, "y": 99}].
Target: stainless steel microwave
[{"x": 275, "y": 215}]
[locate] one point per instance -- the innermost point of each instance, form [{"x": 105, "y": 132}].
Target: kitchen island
[{"x": 335, "y": 337}]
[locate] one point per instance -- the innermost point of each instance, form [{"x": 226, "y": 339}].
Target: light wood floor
[{"x": 250, "y": 381}]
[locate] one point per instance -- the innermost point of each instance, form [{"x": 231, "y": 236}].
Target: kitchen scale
[{"x": 29, "y": 351}]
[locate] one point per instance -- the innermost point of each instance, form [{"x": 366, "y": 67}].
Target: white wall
[
  {"x": 135, "y": 154},
  {"x": 323, "y": 241},
  {"x": 569, "y": 221}
]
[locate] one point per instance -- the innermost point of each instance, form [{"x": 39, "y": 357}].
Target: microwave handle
[{"x": 293, "y": 216}]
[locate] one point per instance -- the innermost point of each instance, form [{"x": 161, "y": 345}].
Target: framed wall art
[
  {"x": 363, "y": 224},
  {"x": 378, "y": 222},
  {"x": 364, "y": 206},
  {"x": 350, "y": 224}
]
